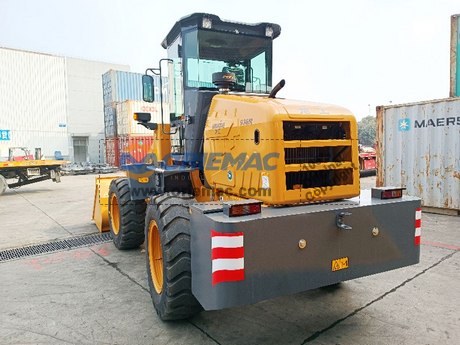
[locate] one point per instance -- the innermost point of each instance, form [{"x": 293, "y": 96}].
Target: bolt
[
  {"x": 375, "y": 231},
  {"x": 302, "y": 243}
]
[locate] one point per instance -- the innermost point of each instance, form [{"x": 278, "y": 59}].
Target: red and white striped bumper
[
  {"x": 227, "y": 255},
  {"x": 418, "y": 225}
]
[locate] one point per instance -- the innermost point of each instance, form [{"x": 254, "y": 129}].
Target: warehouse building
[{"x": 54, "y": 103}]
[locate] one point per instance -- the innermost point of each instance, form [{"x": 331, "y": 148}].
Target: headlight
[
  {"x": 269, "y": 31},
  {"x": 207, "y": 23}
]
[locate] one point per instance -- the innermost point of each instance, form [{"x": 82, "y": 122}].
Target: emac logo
[
  {"x": 405, "y": 124},
  {"x": 138, "y": 156}
]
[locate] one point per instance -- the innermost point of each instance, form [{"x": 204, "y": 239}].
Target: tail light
[
  {"x": 242, "y": 208},
  {"x": 387, "y": 192}
]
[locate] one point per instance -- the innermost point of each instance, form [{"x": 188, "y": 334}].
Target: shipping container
[
  {"x": 127, "y": 126},
  {"x": 135, "y": 149},
  {"x": 454, "y": 60},
  {"x": 112, "y": 152},
  {"x": 85, "y": 112},
  {"x": 110, "y": 120},
  {"x": 418, "y": 147},
  {"x": 128, "y": 150},
  {"x": 119, "y": 86}
]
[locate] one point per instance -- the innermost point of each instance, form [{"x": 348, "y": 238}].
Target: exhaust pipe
[{"x": 278, "y": 87}]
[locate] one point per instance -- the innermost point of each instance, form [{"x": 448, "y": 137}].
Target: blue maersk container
[{"x": 119, "y": 86}]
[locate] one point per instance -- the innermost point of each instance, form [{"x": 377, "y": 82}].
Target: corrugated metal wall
[
  {"x": 119, "y": 86},
  {"x": 112, "y": 152},
  {"x": 33, "y": 101},
  {"x": 128, "y": 86},
  {"x": 110, "y": 120},
  {"x": 50, "y": 101},
  {"x": 419, "y": 148}
]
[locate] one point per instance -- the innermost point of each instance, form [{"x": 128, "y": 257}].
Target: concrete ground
[{"x": 99, "y": 295}]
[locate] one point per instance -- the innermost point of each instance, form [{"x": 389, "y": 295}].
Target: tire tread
[
  {"x": 132, "y": 216},
  {"x": 172, "y": 217}
]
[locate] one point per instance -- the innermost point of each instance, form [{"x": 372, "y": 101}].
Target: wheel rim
[
  {"x": 155, "y": 257},
  {"x": 114, "y": 213}
]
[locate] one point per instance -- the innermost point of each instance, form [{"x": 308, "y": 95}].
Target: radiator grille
[
  {"x": 319, "y": 178},
  {"x": 316, "y": 130},
  {"x": 318, "y": 143},
  {"x": 300, "y": 155}
]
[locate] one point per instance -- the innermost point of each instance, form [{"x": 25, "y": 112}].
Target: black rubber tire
[
  {"x": 131, "y": 216},
  {"x": 171, "y": 214},
  {"x": 3, "y": 185}
]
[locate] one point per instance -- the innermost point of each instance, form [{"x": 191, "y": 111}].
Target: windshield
[{"x": 248, "y": 57}]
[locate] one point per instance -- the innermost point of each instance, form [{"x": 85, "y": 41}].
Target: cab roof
[{"x": 196, "y": 20}]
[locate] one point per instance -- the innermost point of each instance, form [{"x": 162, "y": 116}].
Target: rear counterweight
[{"x": 273, "y": 259}]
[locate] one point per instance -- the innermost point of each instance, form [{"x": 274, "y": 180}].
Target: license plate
[
  {"x": 33, "y": 172},
  {"x": 339, "y": 264}
]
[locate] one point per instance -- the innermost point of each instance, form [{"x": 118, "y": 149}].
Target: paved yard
[{"x": 99, "y": 295}]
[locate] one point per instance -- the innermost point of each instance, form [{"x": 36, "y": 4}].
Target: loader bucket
[{"x": 101, "y": 201}]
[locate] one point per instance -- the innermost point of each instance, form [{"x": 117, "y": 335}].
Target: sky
[{"x": 354, "y": 53}]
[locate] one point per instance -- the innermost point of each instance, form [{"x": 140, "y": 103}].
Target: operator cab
[{"x": 198, "y": 46}]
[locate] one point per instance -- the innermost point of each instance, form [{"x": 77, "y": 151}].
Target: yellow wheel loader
[{"x": 245, "y": 196}]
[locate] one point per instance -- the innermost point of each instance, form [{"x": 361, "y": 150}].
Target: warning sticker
[
  {"x": 265, "y": 181},
  {"x": 339, "y": 264}
]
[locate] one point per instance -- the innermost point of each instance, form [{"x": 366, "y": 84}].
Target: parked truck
[
  {"x": 245, "y": 196},
  {"x": 22, "y": 168},
  {"x": 367, "y": 158}
]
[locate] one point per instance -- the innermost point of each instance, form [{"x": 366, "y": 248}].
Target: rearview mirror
[
  {"x": 142, "y": 117},
  {"x": 147, "y": 88}
]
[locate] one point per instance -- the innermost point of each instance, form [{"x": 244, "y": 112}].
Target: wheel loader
[{"x": 245, "y": 196}]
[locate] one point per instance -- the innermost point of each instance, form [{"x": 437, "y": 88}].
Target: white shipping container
[
  {"x": 419, "y": 148},
  {"x": 126, "y": 125},
  {"x": 33, "y": 101}
]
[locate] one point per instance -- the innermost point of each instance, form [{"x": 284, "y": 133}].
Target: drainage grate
[{"x": 54, "y": 246}]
